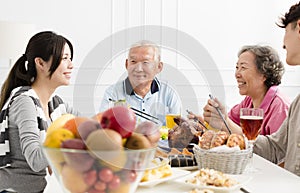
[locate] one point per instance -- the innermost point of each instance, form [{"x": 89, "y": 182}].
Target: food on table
[
  {"x": 182, "y": 160},
  {"x": 119, "y": 118},
  {"x": 164, "y": 133},
  {"x": 205, "y": 140},
  {"x": 236, "y": 140},
  {"x": 178, "y": 158},
  {"x": 98, "y": 164},
  {"x": 149, "y": 130},
  {"x": 201, "y": 191},
  {"x": 137, "y": 141},
  {"x": 161, "y": 169},
  {"x": 211, "y": 139},
  {"x": 219, "y": 139},
  {"x": 184, "y": 133},
  {"x": 211, "y": 177}
]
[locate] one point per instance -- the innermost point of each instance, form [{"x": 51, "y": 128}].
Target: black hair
[
  {"x": 45, "y": 45},
  {"x": 291, "y": 16}
]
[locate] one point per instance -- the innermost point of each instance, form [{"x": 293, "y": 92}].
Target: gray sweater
[
  {"x": 285, "y": 143},
  {"x": 28, "y": 168}
]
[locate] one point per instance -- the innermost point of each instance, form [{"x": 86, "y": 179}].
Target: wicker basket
[{"x": 226, "y": 162}]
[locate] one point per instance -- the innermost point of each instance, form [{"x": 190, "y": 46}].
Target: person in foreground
[
  {"x": 28, "y": 106},
  {"x": 285, "y": 143},
  {"x": 142, "y": 89},
  {"x": 258, "y": 74}
]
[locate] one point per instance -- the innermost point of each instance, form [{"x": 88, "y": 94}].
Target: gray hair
[
  {"x": 267, "y": 62},
  {"x": 147, "y": 43}
]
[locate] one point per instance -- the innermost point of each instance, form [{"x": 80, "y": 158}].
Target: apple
[{"x": 119, "y": 118}]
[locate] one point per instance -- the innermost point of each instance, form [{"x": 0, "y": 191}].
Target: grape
[
  {"x": 106, "y": 175},
  {"x": 130, "y": 175},
  {"x": 100, "y": 186},
  {"x": 90, "y": 177},
  {"x": 114, "y": 183}
]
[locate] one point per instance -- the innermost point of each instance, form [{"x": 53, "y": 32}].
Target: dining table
[{"x": 268, "y": 178}]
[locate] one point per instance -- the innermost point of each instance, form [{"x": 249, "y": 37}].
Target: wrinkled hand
[
  {"x": 197, "y": 118},
  {"x": 212, "y": 116}
]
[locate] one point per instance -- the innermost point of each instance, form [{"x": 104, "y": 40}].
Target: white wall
[{"x": 220, "y": 27}]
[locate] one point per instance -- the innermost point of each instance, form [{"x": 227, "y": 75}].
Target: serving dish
[
  {"x": 241, "y": 181},
  {"x": 176, "y": 173}
]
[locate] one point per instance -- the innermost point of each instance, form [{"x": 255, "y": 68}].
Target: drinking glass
[{"x": 251, "y": 120}]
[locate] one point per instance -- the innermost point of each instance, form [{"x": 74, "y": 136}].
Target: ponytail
[{"x": 21, "y": 74}]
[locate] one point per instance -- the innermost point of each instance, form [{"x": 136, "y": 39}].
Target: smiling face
[
  {"x": 142, "y": 66},
  {"x": 62, "y": 74},
  {"x": 292, "y": 43},
  {"x": 250, "y": 80}
]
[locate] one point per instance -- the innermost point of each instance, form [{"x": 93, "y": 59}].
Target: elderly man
[{"x": 141, "y": 89}]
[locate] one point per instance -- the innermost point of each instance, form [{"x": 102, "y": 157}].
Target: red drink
[{"x": 251, "y": 126}]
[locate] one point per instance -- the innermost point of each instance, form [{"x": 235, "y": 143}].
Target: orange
[{"x": 73, "y": 124}]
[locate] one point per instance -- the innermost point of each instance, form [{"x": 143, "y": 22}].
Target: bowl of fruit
[{"x": 100, "y": 154}]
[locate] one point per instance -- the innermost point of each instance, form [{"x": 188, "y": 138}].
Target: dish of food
[
  {"x": 178, "y": 158},
  {"x": 176, "y": 173},
  {"x": 214, "y": 180}
]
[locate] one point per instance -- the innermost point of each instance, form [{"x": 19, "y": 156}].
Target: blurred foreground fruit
[
  {"x": 73, "y": 180},
  {"x": 119, "y": 118},
  {"x": 85, "y": 128},
  {"x": 74, "y": 123},
  {"x": 150, "y": 130},
  {"x": 57, "y": 136},
  {"x": 60, "y": 122}
]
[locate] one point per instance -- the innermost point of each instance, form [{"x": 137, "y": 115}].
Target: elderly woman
[{"x": 258, "y": 74}]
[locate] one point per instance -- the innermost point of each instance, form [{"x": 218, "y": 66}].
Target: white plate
[
  {"x": 176, "y": 173},
  {"x": 241, "y": 179}
]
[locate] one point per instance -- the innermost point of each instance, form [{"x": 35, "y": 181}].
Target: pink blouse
[{"x": 275, "y": 105}]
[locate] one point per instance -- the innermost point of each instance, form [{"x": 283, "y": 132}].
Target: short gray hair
[
  {"x": 267, "y": 62},
  {"x": 147, "y": 43}
]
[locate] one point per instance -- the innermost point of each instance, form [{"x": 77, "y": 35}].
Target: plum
[
  {"x": 150, "y": 130},
  {"x": 85, "y": 128}
]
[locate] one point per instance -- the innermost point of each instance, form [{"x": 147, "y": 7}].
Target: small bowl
[{"x": 99, "y": 171}]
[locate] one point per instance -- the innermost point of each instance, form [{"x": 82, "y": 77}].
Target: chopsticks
[
  {"x": 144, "y": 115},
  {"x": 138, "y": 112},
  {"x": 220, "y": 114},
  {"x": 244, "y": 190},
  {"x": 196, "y": 119}
]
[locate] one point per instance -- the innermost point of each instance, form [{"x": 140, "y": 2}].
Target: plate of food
[
  {"x": 178, "y": 158},
  {"x": 160, "y": 176},
  {"x": 214, "y": 180}
]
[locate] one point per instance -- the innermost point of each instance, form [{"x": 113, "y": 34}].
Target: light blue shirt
[{"x": 162, "y": 99}]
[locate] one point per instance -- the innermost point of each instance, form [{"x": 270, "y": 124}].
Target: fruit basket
[
  {"x": 233, "y": 162},
  {"x": 99, "y": 171}
]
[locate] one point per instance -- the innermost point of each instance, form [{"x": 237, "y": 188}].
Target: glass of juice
[
  {"x": 251, "y": 120},
  {"x": 170, "y": 123}
]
